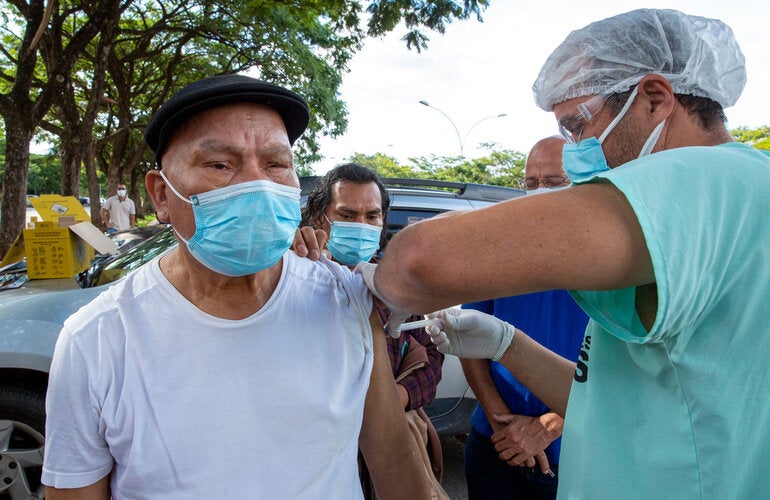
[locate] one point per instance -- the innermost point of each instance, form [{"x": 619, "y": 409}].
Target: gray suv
[{"x": 32, "y": 314}]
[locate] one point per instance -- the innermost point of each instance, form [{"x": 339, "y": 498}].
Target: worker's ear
[{"x": 657, "y": 96}]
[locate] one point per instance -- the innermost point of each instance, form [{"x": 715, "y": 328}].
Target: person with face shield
[
  {"x": 228, "y": 363},
  {"x": 512, "y": 450},
  {"x": 660, "y": 239},
  {"x": 351, "y": 205}
]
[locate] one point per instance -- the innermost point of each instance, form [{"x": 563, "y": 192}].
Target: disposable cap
[{"x": 697, "y": 55}]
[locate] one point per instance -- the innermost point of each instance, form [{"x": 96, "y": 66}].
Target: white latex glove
[
  {"x": 467, "y": 333},
  {"x": 397, "y": 315}
]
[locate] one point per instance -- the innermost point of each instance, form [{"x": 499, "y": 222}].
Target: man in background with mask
[
  {"x": 512, "y": 450},
  {"x": 666, "y": 252},
  {"x": 118, "y": 212},
  {"x": 228, "y": 364},
  {"x": 350, "y": 204}
]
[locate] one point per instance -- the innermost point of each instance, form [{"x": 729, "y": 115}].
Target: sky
[{"x": 476, "y": 71}]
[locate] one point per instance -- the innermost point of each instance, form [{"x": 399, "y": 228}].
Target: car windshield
[{"x": 107, "y": 270}]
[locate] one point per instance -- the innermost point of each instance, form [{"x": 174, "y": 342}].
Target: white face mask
[
  {"x": 121, "y": 192},
  {"x": 542, "y": 190}
]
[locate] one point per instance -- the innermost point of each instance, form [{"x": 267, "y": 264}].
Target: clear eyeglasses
[
  {"x": 571, "y": 126},
  {"x": 552, "y": 181}
]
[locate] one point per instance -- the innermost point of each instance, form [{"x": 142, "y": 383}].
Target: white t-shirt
[
  {"x": 181, "y": 404},
  {"x": 120, "y": 211}
]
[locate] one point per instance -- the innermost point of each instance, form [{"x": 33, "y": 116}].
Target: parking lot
[{"x": 454, "y": 477}]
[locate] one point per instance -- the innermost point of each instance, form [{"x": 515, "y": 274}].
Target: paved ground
[{"x": 454, "y": 477}]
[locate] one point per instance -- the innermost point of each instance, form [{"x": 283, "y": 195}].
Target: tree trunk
[
  {"x": 71, "y": 161},
  {"x": 13, "y": 207},
  {"x": 93, "y": 186}
]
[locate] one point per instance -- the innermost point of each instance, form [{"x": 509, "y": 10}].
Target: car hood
[
  {"x": 30, "y": 322},
  {"x": 53, "y": 301}
]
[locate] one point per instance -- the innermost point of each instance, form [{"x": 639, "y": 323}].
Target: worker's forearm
[{"x": 545, "y": 373}]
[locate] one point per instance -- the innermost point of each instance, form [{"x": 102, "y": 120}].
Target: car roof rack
[{"x": 460, "y": 189}]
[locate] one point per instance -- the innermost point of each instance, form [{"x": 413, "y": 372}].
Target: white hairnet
[{"x": 698, "y": 56}]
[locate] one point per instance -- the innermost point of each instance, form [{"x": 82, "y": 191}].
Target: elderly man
[
  {"x": 229, "y": 366},
  {"x": 666, "y": 252}
]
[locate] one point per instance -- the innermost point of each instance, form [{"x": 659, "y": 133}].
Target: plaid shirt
[{"x": 421, "y": 383}]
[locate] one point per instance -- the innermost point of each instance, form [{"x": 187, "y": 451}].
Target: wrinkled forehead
[{"x": 215, "y": 128}]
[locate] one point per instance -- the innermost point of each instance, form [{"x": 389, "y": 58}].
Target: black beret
[{"x": 219, "y": 90}]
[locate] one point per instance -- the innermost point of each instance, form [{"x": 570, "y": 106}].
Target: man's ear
[
  {"x": 657, "y": 95},
  {"x": 156, "y": 188}
]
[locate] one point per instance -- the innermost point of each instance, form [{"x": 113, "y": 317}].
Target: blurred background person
[
  {"x": 512, "y": 450},
  {"x": 118, "y": 212}
]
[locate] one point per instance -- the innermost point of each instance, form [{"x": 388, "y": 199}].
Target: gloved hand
[
  {"x": 397, "y": 315},
  {"x": 467, "y": 333}
]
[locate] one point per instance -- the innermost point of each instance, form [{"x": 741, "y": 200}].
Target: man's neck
[
  {"x": 215, "y": 294},
  {"x": 687, "y": 131}
]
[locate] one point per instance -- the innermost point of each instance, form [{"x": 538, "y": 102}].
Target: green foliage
[
  {"x": 500, "y": 168},
  {"x": 303, "y": 170},
  {"x": 44, "y": 174},
  {"x": 436, "y": 15},
  {"x": 154, "y": 48},
  {"x": 757, "y": 137},
  {"x": 385, "y": 166}
]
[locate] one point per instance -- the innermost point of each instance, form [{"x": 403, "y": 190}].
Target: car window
[
  {"x": 136, "y": 257},
  {"x": 399, "y": 218}
]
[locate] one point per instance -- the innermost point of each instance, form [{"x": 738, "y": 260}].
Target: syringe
[{"x": 414, "y": 325}]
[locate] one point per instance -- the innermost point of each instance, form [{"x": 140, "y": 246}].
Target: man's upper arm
[
  {"x": 586, "y": 237},
  {"x": 383, "y": 414},
  {"x": 98, "y": 491},
  {"x": 388, "y": 448}
]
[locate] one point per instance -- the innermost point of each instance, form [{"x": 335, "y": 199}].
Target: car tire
[{"x": 22, "y": 439}]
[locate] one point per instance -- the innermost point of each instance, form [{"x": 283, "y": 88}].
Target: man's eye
[
  {"x": 217, "y": 165},
  {"x": 279, "y": 171}
]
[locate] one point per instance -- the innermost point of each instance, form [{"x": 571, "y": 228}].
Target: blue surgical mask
[
  {"x": 353, "y": 242},
  {"x": 585, "y": 159},
  {"x": 244, "y": 228}
]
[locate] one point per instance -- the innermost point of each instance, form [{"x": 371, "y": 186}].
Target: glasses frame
[
  {"x": 571, "y": 126},
  {"x": 547, "y": 182}
]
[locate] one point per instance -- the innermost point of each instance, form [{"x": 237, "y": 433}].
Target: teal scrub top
[{"x": 682, "y": 410}]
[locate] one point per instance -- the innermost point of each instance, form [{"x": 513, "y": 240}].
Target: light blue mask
[
  {"x": 353, "y": 242},
  {"x": 244, "y": 228},
  {"x": 585, "y": 159}
]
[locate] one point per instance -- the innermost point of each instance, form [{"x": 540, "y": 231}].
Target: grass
[{"x": 143, "y": 221}]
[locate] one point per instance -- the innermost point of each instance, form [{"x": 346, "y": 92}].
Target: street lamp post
[{"x": 460, "y": 139}]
